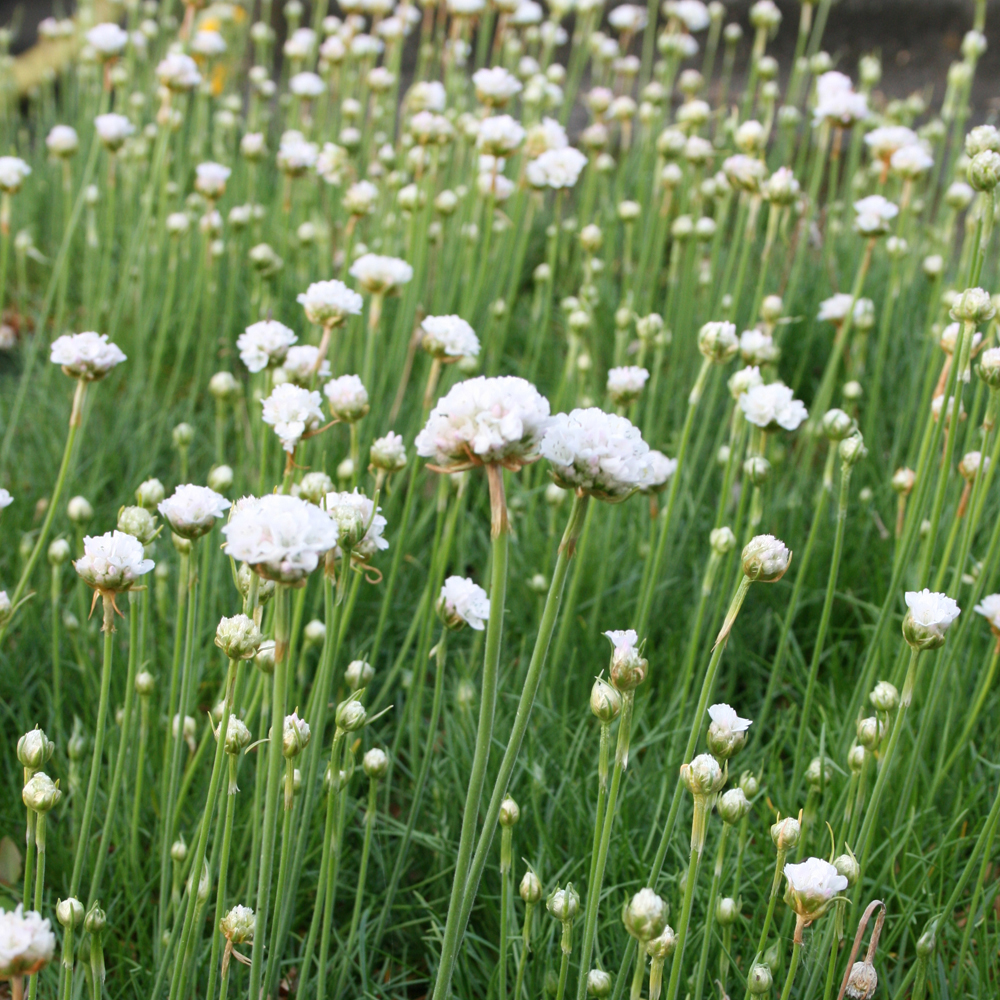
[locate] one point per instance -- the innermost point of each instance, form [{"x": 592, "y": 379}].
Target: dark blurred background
[{"x": 917, "y": 40}]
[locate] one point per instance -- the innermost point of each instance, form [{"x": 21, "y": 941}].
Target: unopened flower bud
[
  {"x": 757, "y": 469},
  {"x": 69, "y": 912},
  {"x": 722, "y": 540},
  {"x": 40, "y": 793},
  {"x": 983, "y": 170},
  {"x": 817, "y": 774},
  {"x": 989, "y": 367},
  {"x": 238, "y": 637},
  {"x": 531, "y": 888},
  {"x": 238, "y": 925},
  {"x": 733, "y": 805},
  {"x": 718, "y": 341},
  {"x": 703, "y": 775},
  {"x": 295, "y": 736},
  {"x": 510, "y": 813},
  {"x": 862, "y": 981},
  {"x": 150, "y": 494},
  {"x": 884, "y": 697},
  {"x": 926, "y": 944},
  {"x": 59, "y": 551},
  {"x": 95, "y": 920},
  {"x": 237, "y": 736},
  {"x": 662, "y": 946},
  {"x": 856, "y": 759},
  {"x": 264, "y": 660},
  {"x": 837, "y": 425},
  {"x": 34, "y": 749},
  {"x": 645, "y": 915},
  {"x": 351, "y": 716},
  {"x": 765, "y": 559},
  {"x": 785, "y": 833},
  {"x": 358, "y": 674},
  {"x": 563, "y": 904},
  {"x": 605, "y": 701},
  {"x": 220, "y": 479},
  {"x": 749, "y": 784},
  {"x": 375, "y": 763},
  {"x": 759, "y": 980},
  {"x": 974, "y": 305},
  {"x": 726, "y": 911},
  {"x": 598, "y": 984},
  {"x": 847, "y": 865},
  {"x": 178, "y": 851},
  {"x": 79, "y": 510},
  {"x": 852, "y": 449}
]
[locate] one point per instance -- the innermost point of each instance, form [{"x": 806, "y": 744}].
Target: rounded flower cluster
[
  {"x": 626, "y": 383},
  {"x": 449, "y": 337},
  {"x": 26, "y": 942},
  {"x": 329, "y": 303},
  {"x": 928, "y": 618},
  {"x": 372, "y": 522},
  {"x": 347, "y": 397},
  {"x": 112, "y": 562},
  {"x": 88, "y": 356},
  {"x": 812, "y": 886},
  {"x": 192, "y": 510},
  {"x": 463, "y": 602},
  {"x": 264, "y": 344},
  {"x": 556, "y": 168},
  {"x": 485, "y": 421},
  {"x": 281, "y": 537},
  {"x": 380, "y": 275},
  {"x": 772, "y": 406},
  {"x": 292, "y": 411},
  {"x": 600, "y": 453}
]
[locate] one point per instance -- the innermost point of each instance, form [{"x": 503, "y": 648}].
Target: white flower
[
  {"x": 112, "y": 561},
  {"x": 291, "y": 411},
  {"x": 264, "y": 344},
  {"x": 546, "y": 135},
  {"x": 426, "y": 95},
  {"x": 62, "y": 140},
  {"x": 88, "y": 355},
  {"x": 332, "y": 162},
  {"x": 725, "y": 718},
  {"x": 485, "y": 420},
  {"x": 107, "y": 39},
  {"x": 296, "y": 154},
  {"x": 306, "y": 85},
  {"x": 365, "y": 46},
  {"x": 360, "y": 198},
  {"x": 837, "y": 101},
  {"x": 757, "y": 347},
  {"x": 495, "y": 85},
  {"x": 467, "y": 601},
  {"x": 874, "y": 214},
  {"x": 693, "y": 13},
  {"x": 299, "y": 365},
  {"x": 369, "y": 517},
  {"x": 329, "y": 302},
  {"x": 300, "y": 44},
  {"x": 13, "y": 171},
  {"x": 208, "y": 43},
  {"x": 556, "y": 168},
  {"x": 600, "y": 453},
  {"x": 626, "y": 383},
  {"x": 295, "y": 735},
  {"x": 765, "y": 558},
  {"x": 931, "y": 610},
  {"x": 772, "y": 406},
  {"x": 500, "y": 187},
  {"x": 113, "y": 129},
  {"x": 499, "y": 135},
  {"x": 812, "y": 886},
  {"x": 177, "y": 71},
  {"x": 836, "y": 308},
  {"x": 26, "y": 942},
  {"x": 388, "y": 453},
  {"x": 886, "y": 139},
  {"x": 744, "y": 172},
  {"x": 5, "y": 607},
  {"x": 347, "y": 397},
  {"x": 466, "y": 8},
  {"x": 192, "y": 510},
  {"x": 253, "y": 145},
  {"x": 281, "y": 537},
  {"x": 449, "y": 337},
  {"x": 660, "y": 470},
  {"x": 379, "y": 275},
  {"x": 911, "y": 161},
  {"x": 210, "y": 179},
  {"x": 628, "y": 17},
  {"x": 989, "y": 608},
  {"x": 5, "y": 498}
]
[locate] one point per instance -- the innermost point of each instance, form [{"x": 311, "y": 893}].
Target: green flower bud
[
  {"x": 703, "y": 776},
  {"x": 264, "y": 660},
  {"x": 150, "y": 494},
  {"x": 847, "y": 865},
  {"x": 749, "y": 784},
  {"x": 645, "y": 915},
  {"x": 295, "y": 736},
  {"x": 563, "y": 904},
  {"x": 662, "y": 946},
  {"x": 759, "y": 980},
  {"x": 856, "y": 759},
  {"x": 926, "y": 943},
  {"x": 34, "y": 749},
  {"x": 182, "y": 435},
  {"x": 238, "y": 637},
  {"x": 733, "y": 805},
  {"x": 974, "y": 305},
  {"x": 59, "y": 551},
  {"x": 598, "y": 984},
  {"x": 718, "y": 342},
  {"x": 531, "y": 888},
  {"x": 40, "y": 793},
  {"x": 238, "y": 925},
  {"x": 375, "y": 763},
  {"x": 983, "y": 171},
  {"x": 785, "y": 833},
  {"x": 178, "y": 851},
  {"x": 722, "y": 540},
  {"x": 819, "y": 772},
  {"x": 359, "y": 674},
  {"x": 351, "y": 716},
  {"x": 69, "y": 912},
  {"x": 884, "y": 697},
  {"x": 605, "y": 701},
  {"x": 757, "y": 469},
  {"x": 237, "y": 736},
  {"x": 726, "y": 911},
  {"x": 510, "y": 813},
  {"x": 95, "y": 920}
]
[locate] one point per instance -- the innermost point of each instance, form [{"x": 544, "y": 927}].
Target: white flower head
[
  {"x": 628, "y": 17},
  {"x": 332, "y": 163},
  {"x": 626, "y": 383},
  {"x": 499, "y": 135},
  {"x": 837, "y": 101},
  {"x": 13, "y": 171},
  {"x": 874, "y": 214},
  {"x": 26, "y": 942},
  {"x": 62, "y": 141},
  {"x": 449, "y": 337},
  {"x": 306, "y": 85},
  {"x": 495, "y": 85},
  {"x": 107, "y": 39},
  {"x": 300, "y": 365},
  {"x": 348, "y": 398},
  {"x": 426, "y": 95},
  {"x": 388, "y": 453},
  {"x": 208, "y": 43},
  {"x": 659, "y": 472},
  {"x": 281, "y": 537},
  {"x": 463, "y": 602},
  {"x": 329, "y": 303},
  {"x": 989, "y": 608},
  {"x": 5, "y": 498},
  {"x": 192, "y": 510},
  {"x": 928, "y": 618},
  {"x": 758, "y": 347},
  {"x": 772, "y": 406},
  {"x": 725, "y": 717},
  {"x": 836, "y": 308},
  {"x": 296, "y": 154},
  {"x": 380, "y": 275},
  {"x": 210, "y": 179},
  {"x": 300, "y": 44},
  {"x": 88, "y": 356},
  {"x": 178, "y": 72},
  {"x": 628, "y": 667},
  {"x": 886, "y": 139},
  {"x": 600, "y": 453},
  {"x": 912, "y": 161},
  {"x": 363, "y": 512},
  {"x": 264, "y": 344},
  {"x": 112, "y": 562},
  {"x": 693, "y": 14},
  {"x": 812, "y": 886},
  {"x": 292, "y": 411},
  {"x": 113, "y": 129},
  {"x": 485, "y": 421},
  {"x": 765, "y": 559},
  {"x": 556, "y": 168}
]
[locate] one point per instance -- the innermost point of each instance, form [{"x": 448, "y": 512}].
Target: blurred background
[{"x": 917, "y": 40}]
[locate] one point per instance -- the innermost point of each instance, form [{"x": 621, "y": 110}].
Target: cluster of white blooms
[
  {"x": 388, "y": 453},
  {"x": 210, "y": 179},
  {"x": 426, "y": 95},
  {"x": 192, "y": 510},
  {"x": 26, "y": 942},
  {"x": 62, "y": 141},
  {"x": 726, "y": 719},
  {"x": 812, "y": 885},
  {"x": 929, "y": 616},
  {"x": 772, "y": 406},
  {"x": 545, "y": 135},
  {"x": 368, "y": 515},
  {"x": 462, "y": 601},
  {"x": 659, "y": 472},
  {"x": 292, "y": 411},
  {"x": 449, "y": 337},
  {"x": 885, "y": 140},
  {"x": 13, "y": 171},
  {"x": 300, "y": 365},
  {"x": 693, "y": 14},
  {"x": 113, "y": 129},
  {"x": 628, "y": 17},
  {"x": 296, "y": 154},
  {"x": 836, "y": 308},
  {"x": 360, "y": 198},
  {"x": 499, "y": 135},
  {"x": 112, "y": 562},
  {"x": 912, "y": 161},
  {"x": 874, "y": 214},
  {"x": 208, "y": 43},
  {"x": 485, "y": 420},
  {"x": 758, "y": 347},
  {"x": 264, "y": 344},
  {"x": 107, "y": 39},
  {"x": 626, "y": 383},
  {"x": 765, "y": 558},
  {"x": 556, "y": 168},
  {"x": 306, "y": 85},
  {"x": 88, "y": 356},
  {"x": 281, "y": 537},
  {"x": 495, "y": 85},
  {"x": 347, "y": 397},
  {"x": 989, "y": 608},
  {"x": 380, "y": 275},
  {"x": 837, "y": 101},
  {"x": 600, "y": 453},
  {"x": 329, "y": 303},
  {"x": 179, "y": 72}
]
